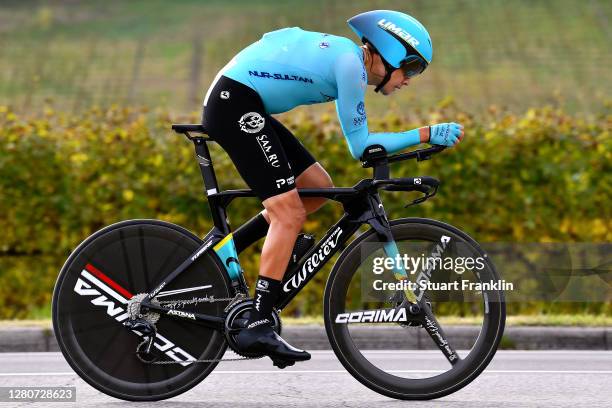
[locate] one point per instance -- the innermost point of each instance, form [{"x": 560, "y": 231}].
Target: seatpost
[
  {"x": 217, "y": 208},
  {"x": 208, "y": 173}
]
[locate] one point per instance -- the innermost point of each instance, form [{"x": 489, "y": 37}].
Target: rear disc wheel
[{"x": 90, "y": 305}]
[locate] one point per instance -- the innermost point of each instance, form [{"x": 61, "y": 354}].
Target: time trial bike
[{"x": 145, "y": 309}]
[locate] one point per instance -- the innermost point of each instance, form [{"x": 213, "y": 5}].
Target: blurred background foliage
[
  {"x": 543, "y": 176},
  {"x": 88, "y": 90},
  {"x": 514, "y": 54}
]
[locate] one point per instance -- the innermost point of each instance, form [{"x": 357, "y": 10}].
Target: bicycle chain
[
  {"x": 213, "y": 360},
  {"x": 183, "y": 302}
]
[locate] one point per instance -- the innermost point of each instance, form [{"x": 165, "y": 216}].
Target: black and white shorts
[{"x": 267, "y": 155}]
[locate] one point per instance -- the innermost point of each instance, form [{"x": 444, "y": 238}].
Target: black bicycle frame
[{"x": 361, "y": 203}]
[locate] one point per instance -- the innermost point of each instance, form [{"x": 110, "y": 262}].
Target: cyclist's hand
[{"x": 446, "y": 134}]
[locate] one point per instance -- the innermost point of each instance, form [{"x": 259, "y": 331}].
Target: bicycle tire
[
  {"x": 88, "y": 307},
  {"x": 373, "y": 377}
]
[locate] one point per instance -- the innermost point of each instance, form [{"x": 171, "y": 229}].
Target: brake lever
[
  {"x": 421, "y": 199},
  {"x": 417, "y": 201}
]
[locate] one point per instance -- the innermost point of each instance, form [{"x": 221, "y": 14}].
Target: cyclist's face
[
  {"x": 376, "y": 72},
  {"x": 397, "y": 81}
]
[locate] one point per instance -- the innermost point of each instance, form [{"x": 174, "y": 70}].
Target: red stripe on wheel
[{"x": 95, "y": 271}]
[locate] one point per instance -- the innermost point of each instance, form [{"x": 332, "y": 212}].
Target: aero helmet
[{"x": 399, "y": 39}]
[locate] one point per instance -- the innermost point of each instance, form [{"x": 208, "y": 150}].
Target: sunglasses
[{"x": 413, "y": 65}]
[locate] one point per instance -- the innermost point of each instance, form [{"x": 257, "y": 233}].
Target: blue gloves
[{"x": 446, "y": 134}]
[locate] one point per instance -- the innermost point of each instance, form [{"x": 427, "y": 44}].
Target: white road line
[
  {"x": 607, "y": 353},
  {"x": 34, "y": 374},
  {"x": 58, "y": 374},
  {"x": 418, "y": 371},
  {"x": 600, "y": 353}
]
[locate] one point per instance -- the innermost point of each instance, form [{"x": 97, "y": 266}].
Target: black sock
[
  {"x": 251, "y": 231},
  {"x": 266, "y": 293}
]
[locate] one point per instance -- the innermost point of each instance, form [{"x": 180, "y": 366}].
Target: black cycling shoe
[{"x": 263, "y": 339}]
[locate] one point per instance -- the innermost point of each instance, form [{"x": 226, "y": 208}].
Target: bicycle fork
[
  {"x": 416, "y": 304},
  {"x": 380, "y": 224}
]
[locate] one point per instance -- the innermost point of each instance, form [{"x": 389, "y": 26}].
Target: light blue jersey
[{"x": 292, "y": 67}]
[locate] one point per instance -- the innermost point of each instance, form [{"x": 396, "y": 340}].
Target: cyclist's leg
[
  {"x": 308, "y": 172},
  {"x": 287, "y": 216},
  {"x": 257, "y": 153},
  {"x": 314, "y": 177},
  {"x": 235, "y": 117}
]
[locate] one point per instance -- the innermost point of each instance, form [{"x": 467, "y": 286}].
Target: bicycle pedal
[{"x": 282, "y": 363}]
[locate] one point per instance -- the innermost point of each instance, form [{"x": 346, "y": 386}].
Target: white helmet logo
[
  {"x": 251, "y": 122},
  {"x": 403, "y": 34}
]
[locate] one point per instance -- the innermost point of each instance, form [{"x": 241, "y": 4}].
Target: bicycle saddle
[{"x": 189, "y": 127}]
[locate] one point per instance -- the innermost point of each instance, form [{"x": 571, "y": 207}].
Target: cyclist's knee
[
  {"x": 324, "y": 180},
  {"x": 327, "y": 182},
  {"x": 314, "y": 176},
  {"x": 286, "y": 209}
]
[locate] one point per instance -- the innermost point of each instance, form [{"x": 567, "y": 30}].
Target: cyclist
[{"x": 291, "y": 67}]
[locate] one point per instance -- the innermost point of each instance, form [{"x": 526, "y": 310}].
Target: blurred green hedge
[{"x": 542, "y": 176}]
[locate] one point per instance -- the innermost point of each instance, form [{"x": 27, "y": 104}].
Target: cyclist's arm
[{"x": 351, "y": 82}]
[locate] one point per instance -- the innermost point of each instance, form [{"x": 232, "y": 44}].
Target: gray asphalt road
[{"x": 513, "y": 379}]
